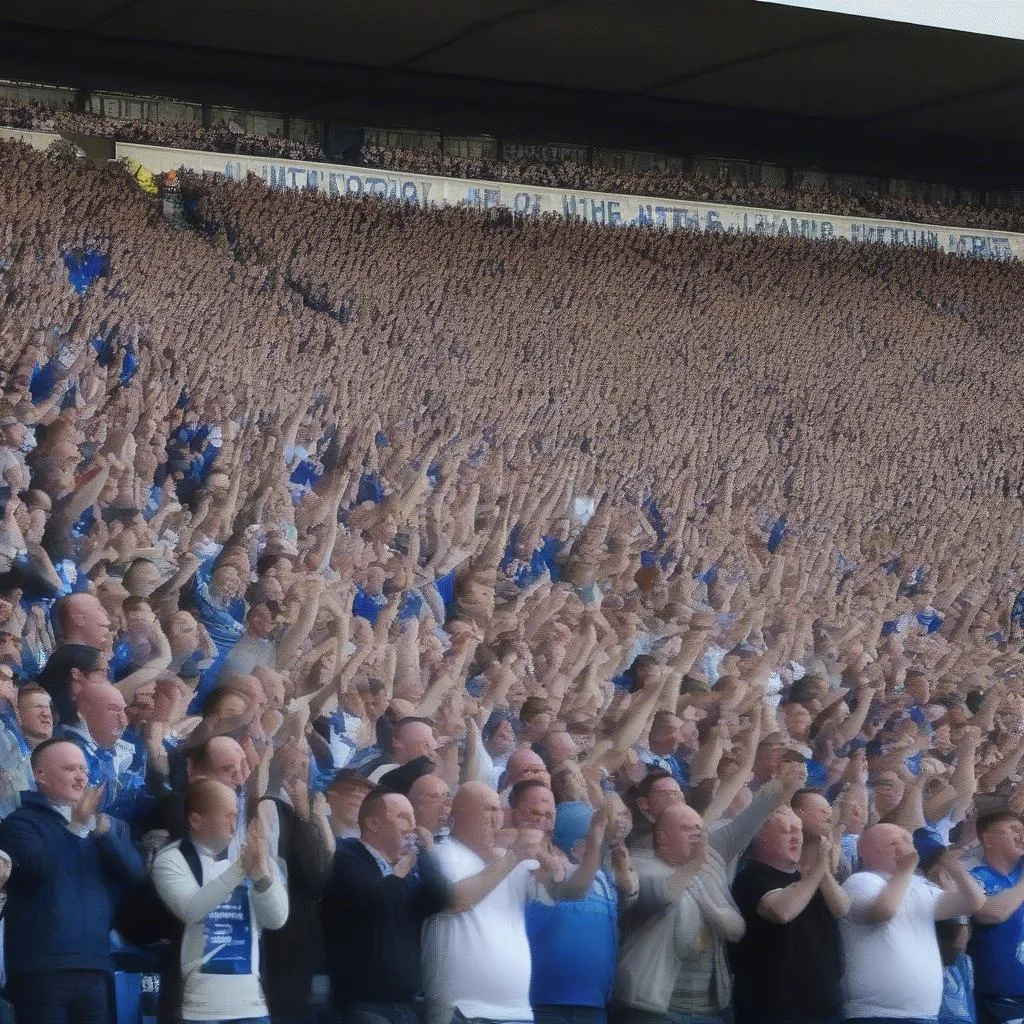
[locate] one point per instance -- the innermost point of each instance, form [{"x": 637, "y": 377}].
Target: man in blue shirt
[
  {"x": 574, "y": 943},
  {"x": 997, "y": 942},
  {"x": 110, "y": 757}
]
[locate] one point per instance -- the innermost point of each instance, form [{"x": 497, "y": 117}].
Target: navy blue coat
[{"x": 63, "y": 890}]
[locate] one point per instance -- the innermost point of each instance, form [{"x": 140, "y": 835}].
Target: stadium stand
[{"x": 499, "y": 619}]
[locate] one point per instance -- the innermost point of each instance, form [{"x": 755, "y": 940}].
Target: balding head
[
  {"x": 678, "y": 835},
  {"x": 59, "y": 769},
  {"x": 525, "y": 764},
  {"x": 413, "y": 737},
  {"x": 220, "y": 758},
  {"x": 431, "y": 801},
  {"x": 885, "y": 848},
  {"x": 211, "y": 810},
  {"x": 102, "y": 707},
  {"x": 83, "y": 620},
  {"x": 476, "y": 818}
]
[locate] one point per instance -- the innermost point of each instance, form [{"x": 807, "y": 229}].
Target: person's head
[
  {"x": 225, "y": 583},
  {"x": 83, "y": 620},
  {"x": 572, "y": 823},
  {"x": 657, "y": 792},
  {"x": 183, "y": 632},
  {"x": 568, "y": 782},
  {"x": 532, "y": 805},
  {"x": 476, "y": 818},
  {"x": 797, "y": 719},
  {"x": 138, "y": 615},
  {"x": 677, "y": 832},
  {"x": 373, "y": 697},
  {"x": 780, "y": 840},
  {"x": 852, "y": 809},
  {"x": 35, "y": 714},
  {"x": 211, "y": 811},
  {"x": 141, "y": 578},
  {"x": 560, "y": 747},
  {"x": 666, "y": 733},
  {"x": 524, "y": 764},
  {"x": 918, "y": 686},
  {"x": 226, "y": 702},
  {"x": 888, "y": 792},
  {"x": 102, "y": 707},
  {"x": 1001, "y": 835},
  {"x": 431, "y": 802},
  {"x": 412, "y": 738},
  {"x": 882, "y": 847},
  {"x": 498, "y": 735},
  {"x": 59, "y": 768},
  {"x": 814, "y": 812},
  {"x": 10, "y": 648},
  {"x": 67, "y": 671},
  {"x": 768, "y": 758},
  {"x": 387, "y": 823},
  {"x": 220, "y": 758},
  {"x": 272, "y": 684},
  {"x": 535, "y": 717},
  {"x": 809, "y": 688},
  {"x": 345, "y": 796},
  {"x": 260, "y": 622}
]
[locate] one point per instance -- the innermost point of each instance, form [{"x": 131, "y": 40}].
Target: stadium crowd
[
  {"x": 219, "y": 137},
  {"x": 510, "y": 621},
  {"x": 223, "y": 137},
  {"x": 695, "y": 186}
]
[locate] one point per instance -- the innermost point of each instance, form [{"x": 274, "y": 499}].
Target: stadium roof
[{"x": 734, "y": 77}]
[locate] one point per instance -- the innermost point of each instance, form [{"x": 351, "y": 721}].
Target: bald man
[
  {"x": 893, "y": 965},
  {"x": 432, "y": 803},
  {"x": 679, "y": 964},
  {"x": 81, "y": 619},
  {"x": 789, "y": 963},
  {"x": 223, "y": 903},
  {"x": 523, "y": 764},
  {"x": 477, "y": 960},
  {"x": 220, "y": 758},
  {"x": 384, "y": 886},
  {"x": 70, "y": 863},
  {"x": 118, "y": 765}
]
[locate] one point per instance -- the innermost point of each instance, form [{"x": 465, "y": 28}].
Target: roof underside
[{"x": 734, "y": 77}]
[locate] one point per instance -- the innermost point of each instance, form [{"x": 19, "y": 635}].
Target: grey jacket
[{"x": 660, "y": 934}]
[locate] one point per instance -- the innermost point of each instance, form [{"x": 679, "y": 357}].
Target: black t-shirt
[{"x": 793, "y": 967}]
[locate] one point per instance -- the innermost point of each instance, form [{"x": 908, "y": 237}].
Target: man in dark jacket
[
  {"x": 372, "y": 912},
  {"x": 69, "y": 865}
]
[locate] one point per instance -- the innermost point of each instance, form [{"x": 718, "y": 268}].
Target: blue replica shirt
[
  {"x": 573, "y": 946},
  {"x": 998, "y": 949}
]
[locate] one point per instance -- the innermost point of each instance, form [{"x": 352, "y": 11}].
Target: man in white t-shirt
[
  {"x": 476, "y": 964},
  {"x": 893, "y": 966}
]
